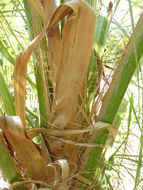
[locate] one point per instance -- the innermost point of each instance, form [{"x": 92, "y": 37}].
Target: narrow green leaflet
[{"x": 6, "y": 96}]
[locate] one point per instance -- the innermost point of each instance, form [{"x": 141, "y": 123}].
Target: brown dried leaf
[
  {"x": 20, "y": 71},
  {"x": 25, "y": 149},
  {"x": 53, "y": 40},
  {"x": 37, "y": 5},
  {"x": 76, "y": 45},
  {"x": 49, "y": 8},
  {"x": 55, "y": 132},
  {"x": 29, "y": 155}
]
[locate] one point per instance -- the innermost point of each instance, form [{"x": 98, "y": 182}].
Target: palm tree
[{"x": 61, "y": 142}]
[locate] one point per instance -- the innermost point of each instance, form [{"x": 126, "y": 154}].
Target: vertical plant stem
[
  {"x": 6, "y": 96},
  {"x": 139, "y": 166},
  {"x": 113, "y": 99}
]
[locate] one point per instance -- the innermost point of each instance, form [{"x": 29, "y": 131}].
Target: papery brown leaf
[
  {"x": 49, "y": 8},
  {"x": 76, "y": 45},
  {"x": 20, "y": 70},
  {"x": 25, "y": 149},
  {"x": 54, "y": 40},
  {"x": 53, "y": 34},
  {"x": 29, "y": 154},
  {"x": 37, "y": 5}
]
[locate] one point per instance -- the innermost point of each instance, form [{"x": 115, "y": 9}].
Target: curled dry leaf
[
  {"x": 29, "y": 154},
  {"x": 25, "y": 149},
  {"x": 64, "y": 168},
  {"x": 61, "y": 168},
  {"x": 98, "y": 126},
  {"x": 75, "y": 53},
  {"x": 20, "y": 70}
]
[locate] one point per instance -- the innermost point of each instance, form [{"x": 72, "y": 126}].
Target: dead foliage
[{"x": 71, "y": 130}]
